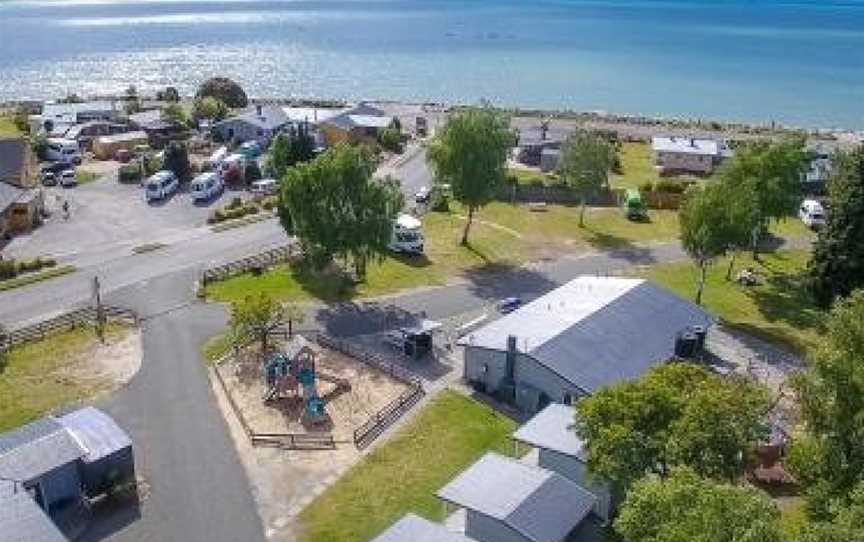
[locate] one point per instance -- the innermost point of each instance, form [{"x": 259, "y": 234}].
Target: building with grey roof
[
  {"x": 678, "y": 154},
  {"x": 416, "y": 529},
  {"x": 551, "y": 431},
  {"x": 359, "y": 124},
  {"x": 260, "y": 124},
  {"x": 508, "y": 500},
  {"x": 584, "y": 335},
  {"x": 52, "y": 464}
]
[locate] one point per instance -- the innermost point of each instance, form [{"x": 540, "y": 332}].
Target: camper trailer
[{"x": 407, "y": 235}]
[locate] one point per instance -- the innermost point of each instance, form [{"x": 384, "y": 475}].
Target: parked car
[
  {"x": 422, "y": 195},
  {"x": 509, "y": 304},
  {"x": 63, "y": 150},
  {"x": 160, "y": 185},
  {"x": 49, "y": 179},
  {"x": 206, "y": 186},
  {"x": 250, "y": 149},
  {"x": 812, "y": 214},
  {"x": 67, "y": 178},
  {"x": 55, "y": 167},
  {"x": 263, "y": 187}
]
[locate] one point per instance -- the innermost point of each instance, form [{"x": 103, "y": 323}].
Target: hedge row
[{"x": 12, "y": 268}]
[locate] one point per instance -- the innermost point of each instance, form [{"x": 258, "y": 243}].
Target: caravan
[
  {"x": 407, "y": 235},
  {"x": 63, "y": 150},
  {"x": 812, "y": 214}
]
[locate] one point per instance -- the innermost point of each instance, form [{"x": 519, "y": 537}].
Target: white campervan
[
  {"x": 63, "y": 150},
  {"x": 812, "y": 214},
  {"x": 206, "y": 186},
  {"x": 407, "y": 235}
]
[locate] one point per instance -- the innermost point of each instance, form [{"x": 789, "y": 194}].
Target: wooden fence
[
  {"x": 64, "y": 322},
  {"x": 387, "y": 416},
  {"x": 261, "y": 261}
]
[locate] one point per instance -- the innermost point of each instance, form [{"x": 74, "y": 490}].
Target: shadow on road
[
  {"x": 351, "y": 319},
  {"x": 109, "y": 518},
  {"x": 497, "y": 281}
]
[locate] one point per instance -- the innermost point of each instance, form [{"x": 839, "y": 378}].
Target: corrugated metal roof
[
  {"x": 96, "y": 432},
  {"x": 413, "y": 528},
  {"x": 552, "y": 429},
  {"x": 538, "y": 503},
  {"x": 31, "y": 459},
  {"x": 21, "y": 520},
  {"x": 595, "y": 331},
  {"x": 685, "y": 145},
  {"x": 9, "y": 194},
  {"x": 28, "y": 433},
  {"x": 270, "y": 118}
]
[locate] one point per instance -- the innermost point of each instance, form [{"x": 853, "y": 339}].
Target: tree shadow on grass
[
  {"x": 324, "y": 285},
  {"x": 412, "y": 260},
  {"x": 619, "y": 248}
]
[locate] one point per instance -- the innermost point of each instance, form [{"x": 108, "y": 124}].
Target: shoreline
[{"x": 592, "y": 118}]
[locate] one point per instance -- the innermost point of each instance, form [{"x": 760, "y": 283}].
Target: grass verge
[
  {"x": 214, "y": 347},
  {"x": 238, "y": 222},
  {"x": 149, "y": 247},
  {"x": 779, "y": 309},
  {"x": 402, "y": 475},
  {"x": 33, "y": 381},
  {"x": 85, "y": 176},
  {"x": 37, "y": 276}
]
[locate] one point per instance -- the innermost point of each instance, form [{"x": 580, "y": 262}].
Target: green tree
[
  {"x": 586, "y": 159},
  {"x": 170, "y": 94},
  {"x": 176, "y": 159},
  {"x": 771, "y": 173},
  {"x": 209, "y": 108},
  {"x": 713, "y": 219},
  {"x": 39, "y": 144},
  {"x": 289, "y": 149},
  {"x": 677, "y": 414},
  {"x": 686, "y": 508},
  {"x": 846, "y": 523},
  {"x": 225, "y": 90},
  {"x": 390, "y": 138},
  {"x": 470, "y": 154},
  {"x": 829, "y": 457},
  {"x": 175, "y": 114},
  {"x": 336, "y": 209},
  {"x": 254, "y": 318},
  {"x": 837, "y": 265}
]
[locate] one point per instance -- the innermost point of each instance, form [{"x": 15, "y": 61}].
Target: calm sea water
[{"x": 799, "y": 62}]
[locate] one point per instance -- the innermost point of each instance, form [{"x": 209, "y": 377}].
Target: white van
[
  {"x": 407, "y": 235},
  {"x": 812, "y": 214},
  {"x": 63, "y": 150},
  {"x": 206, "y": 186},
  {"x": 263, "y": 187},
  {"x": 160, "y": 185},
  {"x": 215, "y": 160}
]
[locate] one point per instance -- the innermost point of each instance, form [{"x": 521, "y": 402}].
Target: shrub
[
  {"x": 537, "y": 181},
  {"x": 647, "y": 186},
  {"x": 252, "y": 210},
  {"x": 129, "y": 173},
  {"x": 235, "y": 203},
  {"x": 670, "y": 187},
  {"x": 270, "y": 203},
  {"x": 8, "y": 269}
]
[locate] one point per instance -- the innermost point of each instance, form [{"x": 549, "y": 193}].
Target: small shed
[
  {"x": 106, "y": 146},
  {"x": 412, "y": 528},
  {"x": 108, "y": 458}
]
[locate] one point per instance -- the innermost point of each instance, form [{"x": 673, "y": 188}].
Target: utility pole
[{"x": 100, "y": 311}]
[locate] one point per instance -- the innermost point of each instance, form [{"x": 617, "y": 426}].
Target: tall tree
[
  {"x": 837, "y": 265},
  {"x": 829, "y": 457},
  {"x": 336, "y": 209},
  {"x": 176, "y": 159},
  {"x": 771, "y": 173},
  {"x": 687, "y": 508},
  {"x": 677, "y": 414},
  {"x": 586, "y": 160},
  {"x": 845, "y": 525},
  {"x": 255, "y": 317},
  {"x": 175, "y": 114},
  {"x": 225, "y": 90},
  {"x": 470, "y": 154},
  {"x": 714, "y": 219},
  {"x": 209, "y": 108},
  {"x": 289, "y": 149}
]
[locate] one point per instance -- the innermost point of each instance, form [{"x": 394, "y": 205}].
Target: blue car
[
  {"x": 509, "y": 304},
  {"x": 250, "y": 149}
]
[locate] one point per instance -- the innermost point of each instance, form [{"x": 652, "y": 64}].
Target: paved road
[
  {"x": 196, "y": 487},
  {"x": 412, "y": 172}
]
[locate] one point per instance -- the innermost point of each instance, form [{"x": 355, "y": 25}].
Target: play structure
[{"x": 293, "y": 373}]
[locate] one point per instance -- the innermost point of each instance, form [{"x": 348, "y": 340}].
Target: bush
[
  {"x": 8, "y": 269},
  {"x": 269, "y": 203},
  {"x": 647, "y": 186},
  {"x": 235, "y": 203},
  {"x": 670, "y": 187},
  {"x": 224, "y": 90},
  {"x": 129, "y": 173},
  {"x": 537, "y": 181}
]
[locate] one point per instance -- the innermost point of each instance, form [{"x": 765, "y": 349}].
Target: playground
[{"x": 299, "y": 388}]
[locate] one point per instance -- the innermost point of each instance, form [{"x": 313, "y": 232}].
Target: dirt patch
[
  {"x": 285, "y": 481},
  {"x": 112, "y": 364}
]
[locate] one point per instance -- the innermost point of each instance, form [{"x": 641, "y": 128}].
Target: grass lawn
[
  {"x": 779, "y": 309},
  {"x": 402, "y": 475},
  {"x": 530, "y": 176},
  {"x": 33, "y": 381},
  {"x": 637, "y": 167},
  {"x": 8, "y": 127}
]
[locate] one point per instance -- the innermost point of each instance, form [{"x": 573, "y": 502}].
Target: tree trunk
[
  {"x": 754, "y": 241},
  {"x": 263, "y": 338},
  {"x": 582, "y": 214},
  {"x": 468, "y": 225},
  {"x": 731, "y": 265},
  {"x": 290, "y": 327},
  {"x": 360, "y": 267},
  {"x": 701, "y": 288}
]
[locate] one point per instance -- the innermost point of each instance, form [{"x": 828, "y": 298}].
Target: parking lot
[{"x": 106, "y": 217}]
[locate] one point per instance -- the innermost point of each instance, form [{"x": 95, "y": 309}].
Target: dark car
[
  {"x": 49, "y": 178},
  {"x": 55, "y": 167},
  {"x": 509, "y": 304}
]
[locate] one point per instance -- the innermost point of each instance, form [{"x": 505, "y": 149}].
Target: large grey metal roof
[
  {"x": 9, "y": 194},
  {"x": 13, "y": 156},
  {"x": 552, "y": 429},
  {"x": 412, "y": 528},
  {"x": 35, "y": 449},
  {"x": 271, "y": 118},
  {"x": 541, "y": 505},
  {"x": 21, "y": 519},
  {"x": 596, "y": 331},
  {"x": 96, "y": 432},
  {"x": 360, "y": 115}
]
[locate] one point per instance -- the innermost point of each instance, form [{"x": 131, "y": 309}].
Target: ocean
[{"x": 799, "y": 62}]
